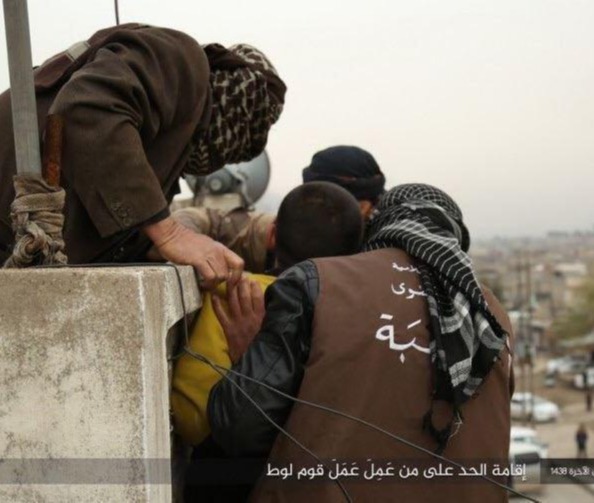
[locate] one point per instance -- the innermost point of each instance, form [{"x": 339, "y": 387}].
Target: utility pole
[
  {"x": 521, "y": 336},
  {"x": 530, "y": 350}
]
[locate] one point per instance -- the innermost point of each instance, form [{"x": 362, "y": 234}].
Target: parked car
[
  {"x": 578, "y": 379},
  {"x": 550, "y": 380},
  {"x": 526, "y": 450},
  {"x": 544, "y": 410},
  {"x": 528, "y": 436},
  {"x": 567, "y": 364}
]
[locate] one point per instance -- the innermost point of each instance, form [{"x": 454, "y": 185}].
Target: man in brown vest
[
  {"x": 143, "y": 105},
  {"x": 401, "y": 336}
]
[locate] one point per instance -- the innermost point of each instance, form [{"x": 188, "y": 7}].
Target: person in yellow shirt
[{"x": 317, "y": 219}]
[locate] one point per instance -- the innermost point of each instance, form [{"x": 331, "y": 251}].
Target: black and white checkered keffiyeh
[
  {"x": 466, "y": 338},
  {"x": 247, "y": 99}
]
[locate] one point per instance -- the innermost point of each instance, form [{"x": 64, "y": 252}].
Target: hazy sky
[{"x": 491, "y": 100}]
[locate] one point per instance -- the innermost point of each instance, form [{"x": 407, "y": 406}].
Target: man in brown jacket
[
  {"x": 142, "y": 105},
  {"x": 401, "y": 336}
]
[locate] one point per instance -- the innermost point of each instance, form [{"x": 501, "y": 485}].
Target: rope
[{"x": 37, "y": 220}]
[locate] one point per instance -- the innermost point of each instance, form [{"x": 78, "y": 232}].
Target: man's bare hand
[
  {"x": 215, "y": 263},
  {"x": 243, "y": 320}
]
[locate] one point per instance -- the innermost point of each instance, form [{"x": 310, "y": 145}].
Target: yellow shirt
[{"x": 193, "y": 379}]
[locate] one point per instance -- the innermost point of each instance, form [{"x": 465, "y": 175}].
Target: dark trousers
[{"x": 214, "y": 477}]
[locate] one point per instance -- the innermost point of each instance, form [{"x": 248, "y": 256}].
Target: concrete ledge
[{"x": 83, "y": 370}]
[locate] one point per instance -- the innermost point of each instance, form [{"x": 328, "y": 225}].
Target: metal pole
[
  {"x": 530, "y": 334},
  {"x": 521, "y": 337},
  {"x": 22, "y": 91}
]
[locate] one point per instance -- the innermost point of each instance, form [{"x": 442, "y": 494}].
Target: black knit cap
[{"x": 350, "y": 167}]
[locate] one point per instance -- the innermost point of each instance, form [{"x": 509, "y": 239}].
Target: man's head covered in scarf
[
  {"x": 352, "y": 168},
  {"x": 247, "y": 99},
  {"x": 466, "y": 338},
  {"x": 426, "y": 200}
]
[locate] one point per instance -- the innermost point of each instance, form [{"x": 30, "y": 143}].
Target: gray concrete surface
[{"x": 83, "y": 366}]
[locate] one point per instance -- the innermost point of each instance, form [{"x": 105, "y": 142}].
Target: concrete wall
[{"x": 83, "y": 374}]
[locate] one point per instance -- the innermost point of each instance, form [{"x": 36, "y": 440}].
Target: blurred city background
[{"x": 547, "y": 285}]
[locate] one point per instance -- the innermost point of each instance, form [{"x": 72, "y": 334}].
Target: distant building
[
  {"x": 567, "y": 278},
  {"x": 558, "y": 265}
]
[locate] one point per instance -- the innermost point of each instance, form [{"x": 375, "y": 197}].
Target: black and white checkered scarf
[
  {"x": 466, "y": 338},
  {"x": 247, "y": 99}
]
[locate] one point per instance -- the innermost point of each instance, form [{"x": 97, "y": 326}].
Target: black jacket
[{"x": 277, "y": 357}]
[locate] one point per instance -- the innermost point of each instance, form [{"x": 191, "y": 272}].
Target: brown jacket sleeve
[
  {"x": 198, "y": 220},
  {"x": 137, "y": 86}
]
